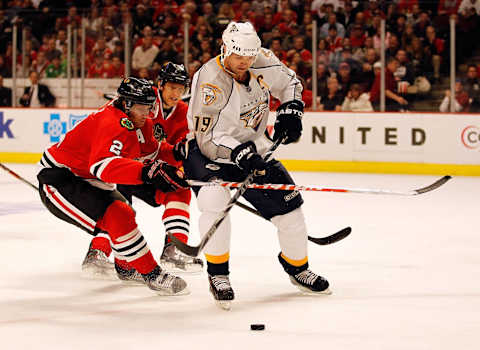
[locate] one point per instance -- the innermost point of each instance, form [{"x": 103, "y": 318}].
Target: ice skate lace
[
  {"x": 166, "y": 280},
  {"x": 306, "y": 277},
  {"x": 220, "y": 282}
]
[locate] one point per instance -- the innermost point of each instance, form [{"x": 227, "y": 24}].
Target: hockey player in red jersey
[
  {"x": 168, "y": 124},
  {"x": 77, "y": 183}
]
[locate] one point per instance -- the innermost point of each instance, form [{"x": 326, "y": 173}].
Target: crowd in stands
[{"x": 348, "y": 32}]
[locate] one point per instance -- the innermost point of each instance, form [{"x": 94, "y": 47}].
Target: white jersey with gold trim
[{"x": 224, "y": 113}]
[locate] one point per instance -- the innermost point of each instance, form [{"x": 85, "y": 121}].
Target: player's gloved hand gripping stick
[{"x": 194, "y": 250}]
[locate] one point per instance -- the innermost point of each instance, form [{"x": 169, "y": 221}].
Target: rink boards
[{"x": 403, "y": 143}]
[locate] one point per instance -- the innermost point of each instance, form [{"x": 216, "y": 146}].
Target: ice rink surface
[{"x": 408, "y": 277}]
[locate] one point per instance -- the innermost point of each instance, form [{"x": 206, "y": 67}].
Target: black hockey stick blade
[
  {"x": 433, "y": 186},
  {"x": 184, "y": 248},
  {"x": 338, "y": 236}
]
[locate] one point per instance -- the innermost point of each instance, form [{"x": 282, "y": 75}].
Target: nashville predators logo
[
  {"x": 159, "y": 133},
  {"x": 253, "y": 117},
  {"x": 210, "y": 93},
  {"x": 127, "y": 124}
]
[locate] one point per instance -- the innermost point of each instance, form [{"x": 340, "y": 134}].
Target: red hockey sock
[
  {"x": 101, "y": 243},
  {"x": 128, "y": 242}
]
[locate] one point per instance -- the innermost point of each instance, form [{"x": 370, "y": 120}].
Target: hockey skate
[
  {"x": 221, "y": 290},
  {"x": 96, "y": 265},
  {"x": 304, "y": 279},
  {"x": 174, "y": 260},
  {"x": 129, "y": 276},
  {"x": 164, "y": 283}
]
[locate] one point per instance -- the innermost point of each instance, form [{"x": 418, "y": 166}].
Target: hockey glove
[
  {"x": 180, "y": 150},
  {"x": 163, "y": 176},
  {"x": 289, "y": 122},
  {"x": 245, "y": 156}
]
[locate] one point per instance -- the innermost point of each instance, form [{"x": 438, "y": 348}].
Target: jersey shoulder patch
[
  {"x": 210, "y": 93},
  {"x": 127, "y": 124}
]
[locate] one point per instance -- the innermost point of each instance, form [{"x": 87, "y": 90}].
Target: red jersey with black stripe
[
  {"x": 105, "y": 145},
  {"x": 170, "y": 126}
]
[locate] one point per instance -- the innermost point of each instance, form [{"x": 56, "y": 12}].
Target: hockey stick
[
  {"x": 288, "y": 187},
  {"x": 14, "y": 174},
  {"x": 194, "y": 250},
  {"x": 337, "y": 236}
]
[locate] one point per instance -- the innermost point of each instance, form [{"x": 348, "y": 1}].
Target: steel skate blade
[
  {"x": 166, "y": 293},
  {"x": 307, "y": 291},
  {"x": 93, "y": 273},
  {"x": 183, "y": 269},
  {"x": 224, "y": 304}
]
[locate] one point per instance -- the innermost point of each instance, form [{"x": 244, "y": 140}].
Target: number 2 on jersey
[
  {"x": 203, "y": 125},
  {"x": 116, "y": 147}
]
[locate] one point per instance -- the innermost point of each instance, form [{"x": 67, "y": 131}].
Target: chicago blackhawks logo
[
  {"x": 210, "y": 93},
  {"x": 127, "y": 123},
  {"x": 159, "y": 133}
]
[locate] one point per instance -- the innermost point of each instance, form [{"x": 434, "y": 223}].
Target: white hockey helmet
[{"x": 240, "y": 38}]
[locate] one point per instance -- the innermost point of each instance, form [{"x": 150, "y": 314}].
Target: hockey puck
[{"x": 257, "y": 327}]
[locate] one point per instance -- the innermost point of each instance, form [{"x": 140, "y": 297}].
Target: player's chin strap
[{"x": 194, "y": 250}]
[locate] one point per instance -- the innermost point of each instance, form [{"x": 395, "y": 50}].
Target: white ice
[{"x": 407, "y": 277}]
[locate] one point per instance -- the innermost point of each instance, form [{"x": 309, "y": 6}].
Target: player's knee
[
  {"x": 290, "y": 223},
  {"x": 213, "y": 198},
  {"x": 119, "y": 214}
]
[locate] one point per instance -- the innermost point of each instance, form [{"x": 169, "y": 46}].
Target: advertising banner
[{"x": 339, "y": 139}]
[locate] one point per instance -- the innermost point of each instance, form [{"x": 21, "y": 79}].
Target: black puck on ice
[{"x": 257, "y": 327}]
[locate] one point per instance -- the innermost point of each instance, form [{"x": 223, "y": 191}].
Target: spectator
[
  {"x": 290, "y": 35},
  {"x": 434, "y": 48},
  {"x": 404, "y": 72},
  {"x": 56, "y": 69},
  {"x": 5, "y": 95},
  {"x": 117, "y": 69},
  {"x": 225, "y": 15},
  {"x": 344, "y": 78},
  {"x": 143, "y": 73},
  {"x": 421, "y": 25},
  {"x": 357, "y": 36},
  {"x": 322, "y": 78},
  {"x": 166, "y": 54},
  {"x": 333, "y": 40},
  {"x": 141, "y": 18},
  {"x": 393, "y": 101},
  {"x": 52, "y": 50},
  {"x": 40, "y": 64},
  {"x": 462, "y": 102},
  {"x": 94, "y": 22},
  {"x": 348, "y": 16},
  {"x": 472, "y": 88},
  {"x": 110, "y": 37},
  {"x": 61, "y": 39},
  {"x": 37, "y": 95},
  {"x": 356, "y": 101},
  {"x": 143, "y": 56},
  {"x": 332, "y": 101},
  {"x": 101, "y": 48},
  {"x": 97, "y": 69},
  {"x": 332, "y": 22},
  {"x": 299, "y": 47},
  {"x": 466, "y": 5},
  {"x": 5, "y": 69}
]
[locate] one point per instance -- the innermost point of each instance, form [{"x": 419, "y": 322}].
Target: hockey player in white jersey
[{"x": 227, "y": 119}]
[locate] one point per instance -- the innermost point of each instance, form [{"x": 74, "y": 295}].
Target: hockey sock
[
  {"x": 128, "y": 242},
  {"x": 102, "y": 242},
  {"x": 217, "y": 269},
  {"x": 176, "y": 217},
  {"x": 289, "y": 267},
  {"x": 123, "y": 264}
]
